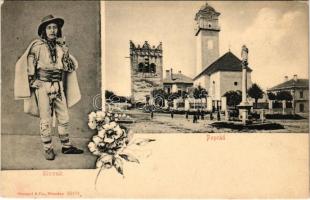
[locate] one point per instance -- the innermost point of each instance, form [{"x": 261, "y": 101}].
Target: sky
[{"x": 276, "y": 34}]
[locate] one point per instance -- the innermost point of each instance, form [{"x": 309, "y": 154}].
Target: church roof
[
  {"x": 178, "y": 78},
  {"x": 228, "y": 62},
  {"x": 299, "y": 83}
]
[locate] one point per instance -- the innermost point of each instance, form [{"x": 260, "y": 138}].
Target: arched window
[
  {"x": 153, "y": 68},
  {"x": 146, "y": 68},
  {"x": 140, "y": 67},
  {"x": 146, "y": 65}
]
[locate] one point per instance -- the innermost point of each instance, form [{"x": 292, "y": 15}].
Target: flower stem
[{"x": 97, "y": 177}]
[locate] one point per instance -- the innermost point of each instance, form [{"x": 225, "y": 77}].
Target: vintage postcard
[{"x": 154, "y": 99}]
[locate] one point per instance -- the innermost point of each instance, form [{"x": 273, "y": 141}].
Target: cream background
[{"x": 189, "y": 166}]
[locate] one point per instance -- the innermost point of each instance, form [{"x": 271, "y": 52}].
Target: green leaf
[
  {"x": 129, "y": 157},
  {"x": 118, "y": 164}
]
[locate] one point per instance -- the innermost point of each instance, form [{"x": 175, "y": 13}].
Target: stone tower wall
[{"x": 142, "y": 83}]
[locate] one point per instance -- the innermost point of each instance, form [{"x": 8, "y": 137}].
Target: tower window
[
  {"x": 235, "y": 83},
  {"x": 146, "y": 65},
  {"x": 209, "y": 25},
  {"x": 301, "y": 94},
  {"x": 153, "y": 68},
  {"x": 146, "y": 68},
  {"x": 140, "y": 67},
  {"x": 301, "y": 107}
]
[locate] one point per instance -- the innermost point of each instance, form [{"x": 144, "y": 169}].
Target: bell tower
[
  {"x": 146, "y": 63},
  {"x": 207, "y": 36}
]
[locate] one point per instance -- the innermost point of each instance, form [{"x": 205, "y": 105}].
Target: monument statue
[{"x": 244, "y": 55}]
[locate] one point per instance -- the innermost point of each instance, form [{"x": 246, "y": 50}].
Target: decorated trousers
[{"x": 52, "y": 101}]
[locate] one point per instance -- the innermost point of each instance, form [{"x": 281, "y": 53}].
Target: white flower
[
  {"x": 115, "y": 115},
  {"x": 97, "y": 152},
  {"x": 92, "y": 116},
  {"x": 100, "y": 116},
  {"x": 92, "y": 125},
  {"x": 97, "y": 139},
  {"x": 99, "y": 164},
  {"x": 124, "y": 115},
  {"x": 101, "y": 133},
  {"x": 92, "y": 147},
  {"x": 106, "y": 126},
  {"x": 113, "y": 124},
  {"x": 119, "y": 133},
  {"x": 106, "y": 160},
  {"x": 106, "y": 120}
]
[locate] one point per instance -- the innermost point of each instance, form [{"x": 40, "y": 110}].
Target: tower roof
[
  {"x": 206, "y": 10},
  {"x": 228, "y": 62},
  {"x": 146, "y": 49}
]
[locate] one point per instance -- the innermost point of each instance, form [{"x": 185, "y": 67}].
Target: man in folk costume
[{"x": 46, "y": 80}]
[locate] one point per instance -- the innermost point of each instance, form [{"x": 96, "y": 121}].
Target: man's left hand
[{"x": 65, "y": 49}]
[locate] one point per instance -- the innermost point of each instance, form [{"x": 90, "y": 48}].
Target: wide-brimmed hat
[{"x": 50, "y": 19}]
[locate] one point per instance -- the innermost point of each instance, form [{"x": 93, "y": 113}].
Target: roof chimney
[
  {"x": 171, "y": 74},
  {"x": 285, "y": 78},
  {"x": 167, "y": 73},
  {"x": 295, "y": 77}
]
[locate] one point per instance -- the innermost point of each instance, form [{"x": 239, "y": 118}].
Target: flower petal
[
  {"x": 108, "y": 140},
  {"x": 97, "y": 139},
  {"x": 113, "y": 124},
  {"x": 106, "y": 160},
  {"x": 107, "y": 120},
  {"x": 92, "y": 147},
  {"x": 92, "y": 125},
  {"x": 101, "y": 133}
]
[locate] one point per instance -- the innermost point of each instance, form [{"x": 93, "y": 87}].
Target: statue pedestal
[
  {"x": 244, "y": 109},
  {"x": 262, "y": 116}
]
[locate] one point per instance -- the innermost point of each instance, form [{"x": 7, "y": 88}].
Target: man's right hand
[{"x": 33, "y": 82}]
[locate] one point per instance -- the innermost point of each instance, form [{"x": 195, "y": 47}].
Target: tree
[
  {"x": 271, "y": 96},
  {"x": 159, "y": 95},
  {"x": 284, "y": 96},
  {"x": 233, "y": 98},
  {"x": 200, "y": 92},
  {"x": 112, "y": 97},
  {"x": 255, "y": 92}
]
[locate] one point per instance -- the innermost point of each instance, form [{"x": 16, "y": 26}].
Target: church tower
[
  {"x": 146, "y": 70},
  {"x": 207, "y": 36}
]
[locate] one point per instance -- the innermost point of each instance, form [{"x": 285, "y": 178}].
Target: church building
[{"x": 216, "y": 74}]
